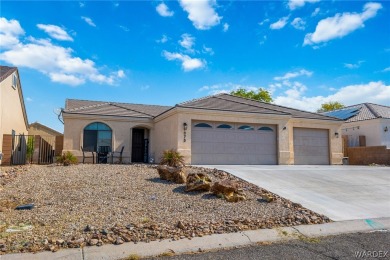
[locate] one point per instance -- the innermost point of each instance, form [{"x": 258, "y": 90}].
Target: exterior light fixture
[
  {"x": 336, "y": 134},
  {"x": 385, "y": 129},
  {"x": 284, "y": 128},
  {"x": 185, "y": 133}
]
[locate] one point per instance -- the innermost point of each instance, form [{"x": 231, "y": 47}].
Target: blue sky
[{"x": 305, "y": 52}]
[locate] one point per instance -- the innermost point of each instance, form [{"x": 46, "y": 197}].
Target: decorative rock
[
  {"x": 175, "y": 174},
  {"x": 198, "y": 182},
  {"x": 93, "y": 242},
  {"x": 118, "y": 241},
  {"x": 268, "y": 197},
  {"x": 180, "y": 225},
  {"x": 89, "y": 228},
  {"x": 229, "y": 190}
]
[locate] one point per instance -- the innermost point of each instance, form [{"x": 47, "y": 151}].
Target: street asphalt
[
  {"x": 341, "y": 192},
  {"x": 374, "y": 245}
]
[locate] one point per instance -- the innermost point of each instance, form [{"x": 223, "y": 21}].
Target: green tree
[
  {"x": 260, "y": 95},
  {"x": 330, "y": 106}
]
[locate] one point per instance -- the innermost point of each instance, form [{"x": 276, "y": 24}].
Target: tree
[
  {"x": 330, "y": 106},
  {"x": 259, "y": 95}
]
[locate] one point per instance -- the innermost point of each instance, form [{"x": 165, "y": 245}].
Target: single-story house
[
  {"x": 218, "y": 129},
  {"x": 42, "y": 130},
  {"x": 367, "y": 119},
  {"x": 13, "y": 116}
]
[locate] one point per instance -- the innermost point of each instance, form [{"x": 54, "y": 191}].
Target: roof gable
[
  {"x": 87, "y": 107},
  {"x": 364, "y": 111},
  {"x": 227, "y": 102},
  {"x": 6, "y": 71}
]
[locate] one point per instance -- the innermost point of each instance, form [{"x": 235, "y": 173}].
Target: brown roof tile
[{"x": 5, "y": 71}]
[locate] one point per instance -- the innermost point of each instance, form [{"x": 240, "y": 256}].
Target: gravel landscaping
[{"x": 92, "y": 205}]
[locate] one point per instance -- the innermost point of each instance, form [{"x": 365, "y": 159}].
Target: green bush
[
  {"x": 67, "y": 159},
  {"x": 172, "y": 158}
]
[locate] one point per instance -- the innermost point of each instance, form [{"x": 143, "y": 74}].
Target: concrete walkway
[
  {"x": 218, "y": 241},
  {"x": 339, "y": 192}
]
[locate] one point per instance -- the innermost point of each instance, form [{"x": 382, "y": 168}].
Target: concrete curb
[{"x": 216, "y": 241}]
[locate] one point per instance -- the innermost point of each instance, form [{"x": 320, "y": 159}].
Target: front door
[{"x": 138, "y": 147}]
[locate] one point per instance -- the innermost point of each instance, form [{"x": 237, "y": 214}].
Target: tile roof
[
  {"x": 227, "y": 102},
  {"x": 5, "y": 71},
  {"x": 220, "y": 102},
  {"x": 87, "y": 107},
  {"x": 366, "y": 111}
]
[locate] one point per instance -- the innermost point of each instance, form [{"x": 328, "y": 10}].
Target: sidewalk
[{"x": 217, "y": 241}]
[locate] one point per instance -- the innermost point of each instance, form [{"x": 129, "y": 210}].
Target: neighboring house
[
  {"x": 367, "y": 119},
  {"x": 13, "y": 116},
  {"x": 219, "y": 129},
  {"x": 42, "y": 130}
]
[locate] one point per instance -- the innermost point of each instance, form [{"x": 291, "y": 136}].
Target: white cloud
[
  {"x": 279, "y": 24},
  {"x": 163, "y": 39},
  {"x": 374, "y": 92},
  {"x": 187, "y": 41},
  {"x": 124, "y": 28},
  {"x": 201, "y": 13},
  {"x": 226, "y": 88},
  {"x": 28, "y": 99},
  {"x": 341, "y": 25},
  {"x": 120, "y": 74},
  {"x": 386, "y": 69},
  {"x": 315, "y": 12},
  {"x": 264, "y": 21},
  {"x": 353, "y": 65},
  {"x": 263, "y": 40},
  {"x": 208, "y": 50},
  {"x": 225, "y": 27},
  {"x": 187, "y": 62},
  {"x": 298, "y": 23},
  {"x": 291, "y": 75},
  {"x": 55, "y": 32},
  {"x": 163, "y": 10},
  {"x": 55, "y": 61},
  {"x": 294, "y": 4},
  {"x": 81, "y": 4},
  {"x": 88, "y": 21},
  {"x": 10, "y": 30}
]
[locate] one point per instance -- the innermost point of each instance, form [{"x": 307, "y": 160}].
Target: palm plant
[{"x": 172, "y": 158}]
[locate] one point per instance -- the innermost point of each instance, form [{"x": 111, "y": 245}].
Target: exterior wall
[
  {"x": 12, "y": 116},
  {"x": 285, "y": 136},
  {"x": 385, "y": 135},
  {"x": 371, "y": 129},
  {"x": 41, "y": 130},
  {"x": 166, "y": 135},
  {"x": 121, "y": 132}
]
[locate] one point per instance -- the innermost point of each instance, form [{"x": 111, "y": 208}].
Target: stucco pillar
[{"x": 285, "y": 144}]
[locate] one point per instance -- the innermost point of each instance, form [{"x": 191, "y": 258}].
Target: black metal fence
[{"x": 33, "y": 149}]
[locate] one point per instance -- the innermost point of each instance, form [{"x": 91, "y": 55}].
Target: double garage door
[{"x": 228, "y": 143}]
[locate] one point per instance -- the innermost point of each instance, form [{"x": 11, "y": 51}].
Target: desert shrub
[
  {"x": 172, "y": 158},
  {"x": 67, "y": 159}
]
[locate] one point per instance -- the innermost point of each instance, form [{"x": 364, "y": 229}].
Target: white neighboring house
[{"x": 367, "y": 119}]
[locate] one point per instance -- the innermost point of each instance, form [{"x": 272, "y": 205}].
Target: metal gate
[{"x": 33, "y": 149}]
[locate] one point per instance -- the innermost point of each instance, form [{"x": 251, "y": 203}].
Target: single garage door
[
  {"x": 311, "y": 146},
  {"x": 228, "y": 143}
]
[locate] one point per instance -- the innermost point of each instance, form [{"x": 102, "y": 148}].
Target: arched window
[
  {"x": 204, "y": 125},
  {"x": 225, "y": 126},
  {"x": 246, "y": 127},
  {"x": 95, "y": 135},
  {"x": 266, "y": 128}
]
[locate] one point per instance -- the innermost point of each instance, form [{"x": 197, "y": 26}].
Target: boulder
[
  {"x": 228, "y": 190},
  {"x": 175, "y": 174},
  {"x": 198, "y": 182}
]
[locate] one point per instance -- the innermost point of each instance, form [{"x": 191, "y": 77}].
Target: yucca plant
[
  {"x": 67, "y": 159},
  {"x": 172, "y": 158}
]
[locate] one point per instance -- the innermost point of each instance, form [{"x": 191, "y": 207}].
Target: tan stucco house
[
  {"x": 219, "y": 129},
  {"x": 42, "y": 130},
  {"x": 367, "y": 119},
  {"x": 13, "y": 116}
]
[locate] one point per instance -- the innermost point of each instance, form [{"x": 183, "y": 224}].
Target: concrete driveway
[{"x": 339, "y": 192}]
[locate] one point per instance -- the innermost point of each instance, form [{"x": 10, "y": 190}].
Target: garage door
[
  {"x": 311, "y": 146},
  {"x": 228, "y": 143}
]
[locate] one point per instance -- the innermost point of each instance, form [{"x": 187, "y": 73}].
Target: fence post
[
  {"x": 37, "y": 145},
  {"x": 59, "y": 145},
  {"x": 7, "y": 149}
]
